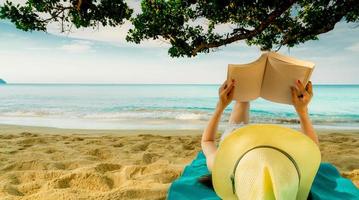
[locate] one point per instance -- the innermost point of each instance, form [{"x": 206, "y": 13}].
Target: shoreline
[
  {"x": 13, "y": 129},
  {"x": 16, "y": 129},
  {"x": 40, "y": 163}
]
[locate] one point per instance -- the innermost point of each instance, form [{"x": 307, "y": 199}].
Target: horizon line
[{"x": 347, "y": 84}]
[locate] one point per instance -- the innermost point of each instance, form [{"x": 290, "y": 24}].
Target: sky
[{"x": 103, "y": 56}]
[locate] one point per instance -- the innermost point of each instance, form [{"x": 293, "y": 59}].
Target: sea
[{"x": 158, "y": 106}]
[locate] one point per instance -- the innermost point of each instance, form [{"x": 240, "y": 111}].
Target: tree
[
  {"x": 37, "y": 14},
  {"x": 191, "y": 26}
]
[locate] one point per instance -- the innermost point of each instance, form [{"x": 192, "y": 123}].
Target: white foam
[{"x": 190, "y": 116}]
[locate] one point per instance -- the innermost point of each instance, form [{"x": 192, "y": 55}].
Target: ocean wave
[
  {"x": 256, "y": 116},
  {"x": 145, "y": 114},
  {"x": 156, "y": 108},
  {"x": 38, "y": 113},
  {"x": 191, "y": 116}
]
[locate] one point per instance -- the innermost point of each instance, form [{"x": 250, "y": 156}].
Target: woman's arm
[
  {"x": 301, "y": 97},
  {"x": 307, "y": 126},
  {"x": 208, "y": 143},
  {"x": 240, "y": 113}
]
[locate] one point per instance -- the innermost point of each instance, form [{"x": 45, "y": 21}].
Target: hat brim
[{"x": 300, "y": 147}]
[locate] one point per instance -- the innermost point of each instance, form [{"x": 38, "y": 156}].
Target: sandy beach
[{"x": 49, "y": 163}]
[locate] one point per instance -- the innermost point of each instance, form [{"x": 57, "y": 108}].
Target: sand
[{"x": 47, "y": 163}]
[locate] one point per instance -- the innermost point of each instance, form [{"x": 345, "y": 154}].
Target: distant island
[{"x": 2, "y": 81}]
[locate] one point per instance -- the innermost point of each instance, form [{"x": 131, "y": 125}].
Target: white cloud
[
  {"x": 38, "y": 48},
  {"x": 354, "y": 47},
  {"x": 77, "y": 46},
  {"x": 70, "y": 59},
  {"x": 112, "y": 35}
]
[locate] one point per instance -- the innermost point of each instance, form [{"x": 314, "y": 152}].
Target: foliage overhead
[
  {"x": 37, "y": 14},
  {"x": 192, "y": 26}
]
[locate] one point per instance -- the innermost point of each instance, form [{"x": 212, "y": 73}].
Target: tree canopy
[
  {"x": 37, "y": 14},
  {"x": 194, "y": 26}
]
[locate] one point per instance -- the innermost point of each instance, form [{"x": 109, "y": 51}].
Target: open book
[{"x": 269, "y": 77}]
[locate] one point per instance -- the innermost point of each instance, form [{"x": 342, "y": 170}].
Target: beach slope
[{"x": 47, "y": 163}]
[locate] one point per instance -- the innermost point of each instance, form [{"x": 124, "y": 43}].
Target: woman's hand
[
  {"x": 301, "y": 96},
  {"x": 208, "y": 142},
  {"x": 225, "y": 94}
]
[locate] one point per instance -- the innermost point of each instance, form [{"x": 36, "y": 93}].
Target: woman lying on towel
[{"x": 261, "y": 161}]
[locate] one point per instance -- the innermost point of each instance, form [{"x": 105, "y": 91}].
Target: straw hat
[{"x": 265, "y": 161}]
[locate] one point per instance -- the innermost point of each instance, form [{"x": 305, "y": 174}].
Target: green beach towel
[{"x": 327, "y": 185}]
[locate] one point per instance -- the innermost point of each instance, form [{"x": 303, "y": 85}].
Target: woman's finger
[
  {"x": 223, "y": 85},
  {"x": 300, "y": 86},
  {"x": 309, "y": 88},
  {"x": 229, "y": 87},
  {"x": 224, "y": 91},
  {"x": 231, "y": 93},
  {"x": 294, "y": 94},
  {"x": 296, "y": 91}
]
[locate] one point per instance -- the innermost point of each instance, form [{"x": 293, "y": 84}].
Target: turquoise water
[{"x": 159, "y": 106}]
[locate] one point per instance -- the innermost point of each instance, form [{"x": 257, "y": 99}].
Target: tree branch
[
  {"x": 60, "y": 11},
  {"x": 340, "y": 12},
  {"x": 249, "y": 33}
]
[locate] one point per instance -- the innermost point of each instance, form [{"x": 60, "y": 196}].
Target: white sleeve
[{"x": 229, "y": 129}]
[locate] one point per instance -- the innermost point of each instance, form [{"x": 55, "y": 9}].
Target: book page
[
  {"x": 280, "y": 75},
  {"x": 248, "y": 78}
]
